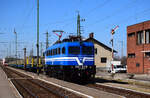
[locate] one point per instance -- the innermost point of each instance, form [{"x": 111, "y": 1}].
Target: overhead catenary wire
[
  {"x": 125, "y": 7},
  {"x": 98, "y": 7}
]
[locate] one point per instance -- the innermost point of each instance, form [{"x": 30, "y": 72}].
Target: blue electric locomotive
[{"x": 70, "y": 59}]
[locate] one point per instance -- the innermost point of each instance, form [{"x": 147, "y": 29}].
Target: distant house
[
  {"x": 103, "y": 53},
  {"x": 138, "y": 48}
]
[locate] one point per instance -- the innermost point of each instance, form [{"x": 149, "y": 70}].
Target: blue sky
[{"x": 100, "y": 17}]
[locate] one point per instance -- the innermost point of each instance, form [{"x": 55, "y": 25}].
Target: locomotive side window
[
  {"x": 53, "y": 51},
  {"x": 74, "y": 50},
  {"x": 87, "y": 50},
  {"x": 48, "y": 52},
  {"x": 63, "y": 50},
  {"x": 58, "y": 50}
]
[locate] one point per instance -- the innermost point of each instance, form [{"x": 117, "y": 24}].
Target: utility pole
[
  {"x": 38, "y": 37},
  {"x": 10, "y": 49},
  {"x": 7, "y": 53},
  {"x": 41, "y": 50},
  {"x": 47, "y": 44},
  {"x": 121, "y": 48},
  {"x": 78, "y": 25},
  {"x": 25, "y": 58},
  {"x": 16, "y": 45},
  {"x": 31, "y": 52},
  {"x": 41, "y": 60}
]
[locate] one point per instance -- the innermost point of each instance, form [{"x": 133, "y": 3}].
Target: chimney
[{"x": 91, "y": 35}]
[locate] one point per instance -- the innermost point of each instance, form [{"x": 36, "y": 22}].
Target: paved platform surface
[{"x": 6, "y": 89}]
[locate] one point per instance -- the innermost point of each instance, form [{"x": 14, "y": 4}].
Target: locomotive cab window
[
  {"x": 74, "y": 50},
  {"x": 87, "y": 50}
]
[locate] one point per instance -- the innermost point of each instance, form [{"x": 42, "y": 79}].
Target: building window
[
  {"x": 140, "y": 37},
  {"x": 147, "y": 36},
  {"x": 95, "y": 50},
  {"x": 137, "y": 64},
  {"x": 147, "y": 54},
  {"x": 131, "y": 55},
  {"x": 131, "y": 34},
  {"x": 103, "y": 60}
]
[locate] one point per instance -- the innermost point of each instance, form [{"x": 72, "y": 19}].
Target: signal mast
[{"x": 112, "y": 33}]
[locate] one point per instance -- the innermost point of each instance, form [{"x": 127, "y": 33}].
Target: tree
[{"x": 124, "y": 60}]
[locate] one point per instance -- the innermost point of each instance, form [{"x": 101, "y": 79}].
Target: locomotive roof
[
  {"x": 70, "y": 39},
  {"x": 75, "y": 43}
]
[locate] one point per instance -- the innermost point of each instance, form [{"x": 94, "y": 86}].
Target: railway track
[
  {"x": 120, "y": 91},
  {"x": 34, "y": 88}
]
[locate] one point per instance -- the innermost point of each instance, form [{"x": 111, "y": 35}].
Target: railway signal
[
  {"x": 112, "y": 33},
  {"x": 113, "y": 30}
]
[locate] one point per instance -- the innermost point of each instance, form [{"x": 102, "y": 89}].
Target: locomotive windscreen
[
  {"x": 87, "y": 50},
  {"x": 74, "y": 50}
]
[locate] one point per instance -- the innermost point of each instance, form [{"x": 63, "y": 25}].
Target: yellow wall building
[{"x": 103, "y": 53}]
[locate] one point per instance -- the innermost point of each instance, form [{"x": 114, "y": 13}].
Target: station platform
[{"x": 6, "y": 88}]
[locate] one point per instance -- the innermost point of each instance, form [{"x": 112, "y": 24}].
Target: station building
[
  {"x": 138, "y": 48},
  {"x": 103, "y": 53}
]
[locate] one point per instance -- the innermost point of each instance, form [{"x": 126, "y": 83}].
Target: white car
[{"x": 119, "y": 69}]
